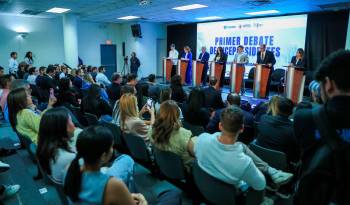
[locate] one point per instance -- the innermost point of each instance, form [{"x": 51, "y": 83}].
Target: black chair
[
  {"x": 248, "y": 135},
  {"x": 276, "y": 79},
  {"x": 275, "y": 159},
  {"x": 91, "y": 119},
  {"x": 28, "y": 144},
  {"x": 79, "y": 115},
  {"x": 195, "y": 129},
  {"x": 119, "y": 142},
  {"x": 250, "y": 81}
]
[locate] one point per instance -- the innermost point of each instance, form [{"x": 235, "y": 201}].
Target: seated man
[
  {"x": 213, "y": 98},
  {"x": 233, "y": 162}
]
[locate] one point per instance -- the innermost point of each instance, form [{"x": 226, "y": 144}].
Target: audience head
[
  {"x": 300, "y": 53},
  {"x": 17, "y": 100},
  {"x": 55, "y": 131},
  {"x": 21, "y": 83},
  {"x": 94, "y": 69},
  {"x": 116, "y": 78},
  {"x": 42, "y": 70},
  {"x": 231, "y": 121},
  {"x": 187, "y": 49},
  {"x": 279, "y": 105},
  {"x": 13, "y": 55},
  {"x": 240, "y": 49},
  {"x": 29, "y": 55},
  {"x": 262, "y": 47},
  {"x": 73, "y": 72},
  {"x": 64, "y": 84},
  {"x": 94, "y": 92},
  {"x": 165, "y": 94},
  {"x": 315, "y": 91},
  {"x": 51, "y": 71},
  {"x": 132, "y": 79},
  {"x": 234, "y": 99},
  {"x": 79, "y": 72},
  {"x": 6, "y": 81},
  {"x": 176, "y": 80},
  {"x": 127, "y": 107},
  {"x": 33, "y": 71},
  {"x": 2, "y": 71},
  {"x": 196, "y": 99},
  {"x": 212, "y": 81},
  {"x": 128, "y": 89},
  {"x": 101, "y": 69},
  {"x": 88, "y": 78},
  {"x": 167, "y": 121},
  {"x": 152, "y": 78},
  {"x": 333, "y": 74},
  {"x": 101, "y": 140}
]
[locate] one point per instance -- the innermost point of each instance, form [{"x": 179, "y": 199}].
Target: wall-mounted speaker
[{"x": 136, "y": 30}]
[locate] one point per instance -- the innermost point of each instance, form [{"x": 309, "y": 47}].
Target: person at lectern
[
  {"x": 174, "y": 56},
  {"x": 187, "y": 55},
  {"x": 298, "y": 60},
  {"x": 221, "y": 58},
  {"x": 268, "y": 59},
  {"x": 241, "y": 58},
  {"x": 204, "y": 58},
  {"x": 134, "y": 63}
]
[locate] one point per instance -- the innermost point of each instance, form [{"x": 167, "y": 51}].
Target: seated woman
[
  {"x": 130, "y": 118},
  {"x": 195, "y": 112},
  {"x": 94, "y": 104},
  {"x": 167, "y": 133},
  {"x": 66, "y": 95},
  {"x": 276, "y": 131},
  {"x": 85, "y": 183},
  {"x": 23, "y": 115},
  {"x": 178, "y": 93}
]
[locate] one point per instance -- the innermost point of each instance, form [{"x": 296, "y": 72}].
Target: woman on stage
[
  {"x": 299, "y": 60},
  {"x": 187, "y": 55},
  {"x": 221, "y": 58}
]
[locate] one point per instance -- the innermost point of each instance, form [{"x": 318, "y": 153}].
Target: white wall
[
  {"x": 45, "y": 39},
  {"x": 347, "y": 45}
]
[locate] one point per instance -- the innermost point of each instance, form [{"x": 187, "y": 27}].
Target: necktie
[{"x": 262, "y": 55}]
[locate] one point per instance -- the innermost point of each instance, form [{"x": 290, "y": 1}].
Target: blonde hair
[
  {"x": 127, "y": 107},
  {"x": 187, "y": 48},
  {"x": 88, "y": 78},
  {"x": 273, "y": 105}
]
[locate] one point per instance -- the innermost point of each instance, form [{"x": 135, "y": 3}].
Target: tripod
[{"x": 125, "y": 66}]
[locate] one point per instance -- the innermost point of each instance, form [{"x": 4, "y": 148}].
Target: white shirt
[
  {"x": 241, "y": 58},
  {"x": 174, "y": 55},
  {"x": 31, "y": 79},
  {"x": 102, "y": 79},
  {"x": 13, "y": 65}
]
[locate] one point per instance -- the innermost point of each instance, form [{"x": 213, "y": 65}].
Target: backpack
[{"x": 327, "y": 178}]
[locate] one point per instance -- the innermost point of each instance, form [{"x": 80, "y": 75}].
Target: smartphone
[
  {"x": 149, "y": 103},
  {"x": 52, "y": 93}
]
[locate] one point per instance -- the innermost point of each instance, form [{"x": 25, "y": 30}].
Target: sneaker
[
  {"x": 4, "y": 166},
  {"x": 280, "y": 177},
  {"x": 10, "y": 190}
]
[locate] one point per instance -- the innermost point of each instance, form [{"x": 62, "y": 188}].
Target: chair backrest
[
  {"x": 248, "y": 135},
  {"x": 137, "y": 147},
  {"x": 213, "y": 190},
  {"x": 116, "y": 131},
  {"x": 251, "y": 73},
  {"x": 278, "y": 74},
  {"x": 195, "y": 129},
  {"x": 275, "y": 159},
  {"x": 170, "y": 164},
  {"x": 29, "y": 145},
  {"x": 91, "y": 119}
]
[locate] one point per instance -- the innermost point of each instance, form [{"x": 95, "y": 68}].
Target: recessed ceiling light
[
  {"x": 262, "y": 12},
  {"x": 57, "y": 10},
  {"x": 128, "y": 17},
  {"x": 208, "y": 18},
  {"x": 189, "y": 7}
]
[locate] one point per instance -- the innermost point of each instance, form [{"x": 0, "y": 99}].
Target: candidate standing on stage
[
  {"x": 221, "y": 58},
  {"x": 204, "y": 58},
  {"x": 268, "y": 59},
  {"x": 187, "y": 55},
  {"x": 134, "y": 63},
  {"x": 241, "y": 58},
  {"x": 174, "y": 56},
  {"x": 299, "y": 60}
]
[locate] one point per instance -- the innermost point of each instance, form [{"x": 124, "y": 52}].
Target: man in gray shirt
[{"x": 241, "y": 58}]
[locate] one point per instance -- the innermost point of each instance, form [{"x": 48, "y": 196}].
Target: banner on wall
[{"x": 282, "y": 35}]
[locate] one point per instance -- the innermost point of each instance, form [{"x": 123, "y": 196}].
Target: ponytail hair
[{"x": 72, "y": 181}]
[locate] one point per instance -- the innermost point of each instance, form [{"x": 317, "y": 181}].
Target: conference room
[{"x": 174, "y": 102}]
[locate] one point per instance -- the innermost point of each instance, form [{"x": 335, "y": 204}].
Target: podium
[
  {"x": 216, "y": 70},
  {"x": 237, "y": 72},
  {"x": 295, "y": 82},
  {"x": 167, "y": 67},
  {"x": 197, "y": 69},
  {"x": 181, "y": 69},
  {"x": 261, "y": 77}
]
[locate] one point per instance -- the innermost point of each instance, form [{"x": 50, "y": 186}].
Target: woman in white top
[
  {"x": 33, "y": 73},
  {"x": 28, "y": 59}
]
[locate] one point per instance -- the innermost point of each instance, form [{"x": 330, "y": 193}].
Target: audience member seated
[
  {"x": 315, "y": 92},
  {"x": 71, "y": 75},
  {"x": 113, "y": 91},
  {"x": 194, "y": 111},
  {"x": 131, "y": 79},
  {"x": 63, "y": 73},
  {"x": 2, "y": 71},
  {"x": 275, "y": 130},
  {"x": 165, "y": 94},
  {"x": 94, "y": 72},
  {"x": 94, "y": 104},
  {"x": 23, "y": 114},
  {"x": 221, "y": 156},
  {"x": 22, "y": 69},
  {"x": 87, "y": 81},
  {"x": 167, "y": 133},
  {"x": 130, "y": 118},
  {"x": 33, "y": 74},
  {"x": 177, "y": 92},
  {"x": 101, "y": 78},
  {"x": 116, "y": 111},
  {"x": 232, "y": 100},
  {"x": 78, "y": 79},
  {"x": 213, "y": 99},
  {"x": 153, "y": 88},
  {"x": 86, "y": 184},
  {"x": 67, "y": 96},
  {"x": 260, "y": 110},
  {"x": 5, "y": 83},
  {"x": 45, "y": 80}
]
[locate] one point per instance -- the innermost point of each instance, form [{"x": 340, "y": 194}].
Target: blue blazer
[{"x": 204, "y": 60}]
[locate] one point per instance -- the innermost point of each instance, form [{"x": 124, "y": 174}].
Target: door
[
  {"x": 161, "y": 52},
  {"x": 109, "y": 58}
]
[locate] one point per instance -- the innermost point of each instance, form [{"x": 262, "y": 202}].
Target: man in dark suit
[
  {"x": 213, "y": 97},
  {"x": 268, "y": 58},
  {"x": 113, "y": 90},
  {"x": 204, "y": 58}
]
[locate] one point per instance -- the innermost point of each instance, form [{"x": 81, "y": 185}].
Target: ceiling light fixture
[
  {"x": 207, "y": 18},
  {"x": 190, "y": 7},
  {"x": 262, "y": 12},
  {"x": 57, "y": 10},
  {"x": 128, "y": 17}
]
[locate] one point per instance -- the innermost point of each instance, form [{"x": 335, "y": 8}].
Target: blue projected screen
[{"x": 282, "y": 35}]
